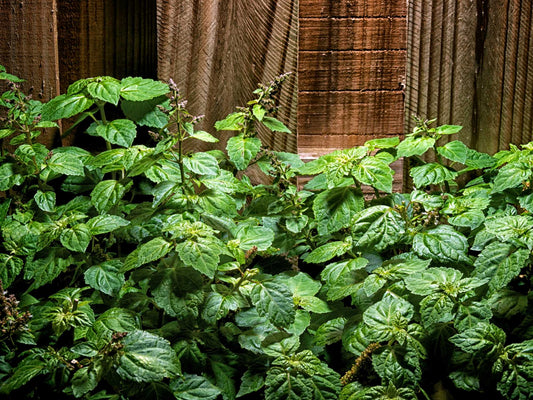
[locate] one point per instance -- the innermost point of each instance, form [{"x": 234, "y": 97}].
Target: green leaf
[
  {"x": 147, "y": 358},
  {"x": 204, "y": 137},
  {"x": 275, "y": 125},
  {"x": 481, "y": 337},
  {"x": 105, "y": 277},
  {"x": 45, "y": 270},
  {"x": 10, "y": 267},
  {"x": 65, "y": 106},
  {"x": 455, "y": 151},
  {"x": 254, "y": 236},
  {"x": 374, "y": 172},
  {"x": 511, "y": 176},
  {"x": 113, "y": 320},
  {"x": 141, "y": 89},
  {"x": 105, "y": 89},
  {"x": 510, "y": 227},
  {"x": 194, "y": 387},
  {"x": 274, "y": 301},
  {"x": 382, "y": 143},
  {"x": 9, "y": 176},
  {"x": 24, "y": 372},
  {"x": 303, "y": 285},
  {"x": 46, "y": 201},
  {"x": 106, "y": 223},
  {"x": 442, "y": 243},
  {"x": 330, "y": 332},
  {"x": 86, "y": 379},
  {"x": 434, "y": 280},
  {"x": 76, "y": 238},
  {"x": 334, "y": 208},
  {"x": 200, "y": 254},
  {"x": 241, "y": 150},
  {"x": 313, "y": 304},
  {"x": 500, "y": 263},
  {"x": 380, "y": 226},
  {"x": 107, "y": 194},
  {"x": 412, "y": 146},
  {"x": 178, "y": 291},
  {"x": 233, "y": 122},
  {"x": 431, "y": 174},
  {"x": 202, "y": 164},
  {"x": 224, "y": 379},
  {"x": 146, "y": 113},
  {"x": 327, "y": 252},
  {"x": 121, "y": 132},
  {"x": 218, "y": 305},
  {"x": 259, "y": 111},
  {"x": 343, "y": 278},
  {"x": 152, "y": 250},
  {"x": 388, "y": 318},
  {"x": 250, "y": 383},
  {"x": 448, "y": 129},
  {"x": 66, "y": 163}
]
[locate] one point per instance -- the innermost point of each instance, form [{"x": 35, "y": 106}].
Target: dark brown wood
[
  {"x": 99, "y": 37},
  {"x": 351, "y": 73},
  {"x": 28, "y": 47},
  {"x": 375, "y": 113},
  {"x": 330, "y": 34},
  {"x": 219, "y": 51},
  {"x": 354, "y": 8},
  {"x": 348, "y": 70}
]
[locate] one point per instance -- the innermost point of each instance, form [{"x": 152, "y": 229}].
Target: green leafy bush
[{"x": 146, "y": 272}]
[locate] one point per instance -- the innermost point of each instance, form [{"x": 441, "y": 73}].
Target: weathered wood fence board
[
  {"x": 28, "y": 46},
  {"x": 470, "y": 63},
  {"x": 219, "y": 51},
  {"x": 351, "y": 72}
]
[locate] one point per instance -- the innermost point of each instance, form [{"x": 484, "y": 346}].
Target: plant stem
[{"x": 104, "y": 120}]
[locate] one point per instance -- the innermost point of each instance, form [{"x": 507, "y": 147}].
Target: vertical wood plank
[
  {"x": 480, "y": 68},
  {"x": 218, "y": 52},
  {"x": 28, "y": 47}
]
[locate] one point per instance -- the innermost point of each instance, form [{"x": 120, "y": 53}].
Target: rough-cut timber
[
  {"x": 352, "y": 8},
  {"x": 28, "y": 46},
  {"x": 99, "y": 37},
  {"x": 470, "y": 62},
  {"x": 219, "y": 51},
  {"x": 351, "y": 73}
]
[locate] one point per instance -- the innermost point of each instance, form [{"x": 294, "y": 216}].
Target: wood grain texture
[
  {"x": 375, "y": 113},
  {"x": 330, "y": 34},
  {"x": 352, "y": 8},
  {"x": 441, "y": 63},
  {"x": 351, "y": 73},
  {"x": 218, "y": 52},
  {"x": 98, "y": 37},
  {"x": 471, "y": 63},
  {"x": 28, "y": 47},
  {"x": 349, "y": 70}
]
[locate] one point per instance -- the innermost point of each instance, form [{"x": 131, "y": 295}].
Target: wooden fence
[{"x": 360, "y": 61}]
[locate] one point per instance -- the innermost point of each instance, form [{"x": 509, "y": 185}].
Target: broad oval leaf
[
  {"x": 241, "y": 150},
  {"x": 141, "y": 89},
  {"x": 274, "y": 301},
  {"x": 442, "y": 243},
  {"x": 334, "y": 208},
  {"x": 431, "y": 174},
  {"x": 121, "y": 132},
  {"x": 147, "y": 358},
  {"x": 65, "y": 106},
  {"x": 374, "y": 172}
]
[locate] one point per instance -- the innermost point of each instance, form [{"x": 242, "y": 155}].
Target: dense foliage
[{"x": 143, "y": 271}]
